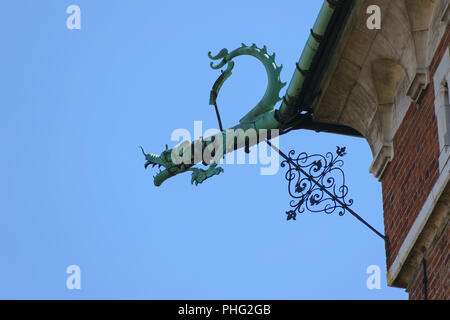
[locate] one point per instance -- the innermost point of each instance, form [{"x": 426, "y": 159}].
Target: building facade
[{"x": 391, "y": 85}]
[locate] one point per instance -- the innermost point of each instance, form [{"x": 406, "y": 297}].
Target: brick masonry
[
  {"x": 437, "y": 272},
  {"x": 412, "y": 173},
  {"x": 407, "y": 182}
]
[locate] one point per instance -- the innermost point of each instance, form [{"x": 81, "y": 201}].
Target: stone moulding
[
  {"x": 381, "y": 161},
  {"x": 419, "y": 86}
]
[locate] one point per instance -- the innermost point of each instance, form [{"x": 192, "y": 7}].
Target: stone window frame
[{"x": 441, "y": 81}]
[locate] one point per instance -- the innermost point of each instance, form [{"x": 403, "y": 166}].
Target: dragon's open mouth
[
  {"x": 152, "y": 162},
  {"x": 160, "y": 174},
  {"x": 156, "y": 160}
]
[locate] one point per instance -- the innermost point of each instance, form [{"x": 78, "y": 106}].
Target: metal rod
[
  {"x": 218, "y": 116},
  {"x": 326, "y": 191}
]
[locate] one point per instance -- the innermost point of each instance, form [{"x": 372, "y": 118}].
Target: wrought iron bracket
[{"x": 317, "y": 184}]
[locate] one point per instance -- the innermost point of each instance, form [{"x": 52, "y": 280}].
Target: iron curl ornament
[{"x": 316, "y": 183}]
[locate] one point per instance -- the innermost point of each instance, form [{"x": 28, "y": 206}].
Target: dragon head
[
  {"x": 172, "y": 169},
  {"x": 164, "y": 160}
]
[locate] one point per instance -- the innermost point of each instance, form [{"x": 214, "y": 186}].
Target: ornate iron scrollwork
[{"x": 316, "y": 183}]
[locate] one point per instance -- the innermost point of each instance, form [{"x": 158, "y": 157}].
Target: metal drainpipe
[
  {"x": 425, "y": 279},
  {"x": 307, "y": 56}
]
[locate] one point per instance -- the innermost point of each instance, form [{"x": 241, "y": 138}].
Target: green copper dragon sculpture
[{"x": 261, "y": 118}]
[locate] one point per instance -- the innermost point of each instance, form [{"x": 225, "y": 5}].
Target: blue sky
[{"x": 76, "y": 104}]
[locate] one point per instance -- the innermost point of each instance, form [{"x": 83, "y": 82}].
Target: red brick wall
[
  {"x": 408, "y": 181},
  {"x": 412, "y": 173},
  {"x": 437, "y": 270}
]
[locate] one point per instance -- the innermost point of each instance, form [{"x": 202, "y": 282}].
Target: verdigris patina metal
[{"x": 259, "y": 119}]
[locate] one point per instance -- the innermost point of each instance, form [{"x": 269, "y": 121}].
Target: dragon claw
[{"x": 200, "y": 175}]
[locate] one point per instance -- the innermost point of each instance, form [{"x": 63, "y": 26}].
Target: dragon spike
[
  {"x": 219, "y": 65},
  {"x": 143, "y": 150},
  {"x": 271, "y": 96},
  {"x": 222, "y": 54}
]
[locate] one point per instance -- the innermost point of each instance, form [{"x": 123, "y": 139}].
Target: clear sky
[{"x": 76, "y": 104}]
